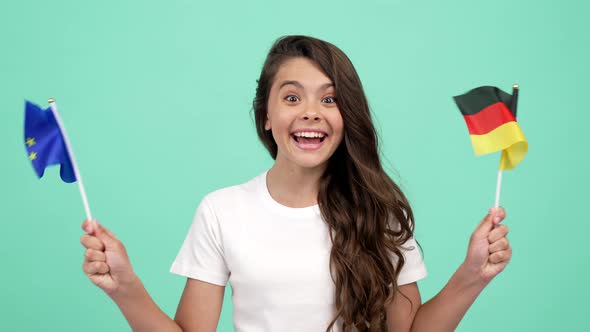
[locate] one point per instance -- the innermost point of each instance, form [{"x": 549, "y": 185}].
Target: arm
[
  {"x": 488, "y": 254},
  {"x": 444, "y": 311},
  {"x": 107, "y": 265},
  {"x": 198, "y": 310},
  {"x": 140, "y": 310},
  {"x": 402, "y": 311},
  {"x": 200, "y": 306}
]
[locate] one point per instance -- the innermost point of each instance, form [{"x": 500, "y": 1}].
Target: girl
[{"x": 322, "y": 241}]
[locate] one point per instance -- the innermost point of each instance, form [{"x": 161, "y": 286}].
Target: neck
[{"x": 294, "y": 186}]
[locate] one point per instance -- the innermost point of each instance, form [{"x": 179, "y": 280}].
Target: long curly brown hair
[{"x": 368, "y": 215}]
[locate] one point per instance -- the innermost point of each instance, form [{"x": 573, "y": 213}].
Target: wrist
[
  {"x": 127, "y": 289},
  {"x": 469, "y": 279}
]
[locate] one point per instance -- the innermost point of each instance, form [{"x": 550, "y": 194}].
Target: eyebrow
[{"x": 299, "y": 85}]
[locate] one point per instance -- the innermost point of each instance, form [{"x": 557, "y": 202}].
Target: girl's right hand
[{"x": 105, "y": 261}]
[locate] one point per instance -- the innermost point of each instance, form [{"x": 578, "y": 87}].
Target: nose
[
  {"x": 311, "y": 113},
  {"x": 315, "y": 118}
]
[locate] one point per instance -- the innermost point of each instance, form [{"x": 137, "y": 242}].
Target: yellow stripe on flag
[{"x": 508, "y": 138}]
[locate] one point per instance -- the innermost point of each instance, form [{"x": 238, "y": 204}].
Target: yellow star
[
  {"x": 33, "y": 156},
  {"x": 30, "y": 141}
]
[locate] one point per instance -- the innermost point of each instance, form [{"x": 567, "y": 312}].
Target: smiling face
[{"x": 303, "y": 115}]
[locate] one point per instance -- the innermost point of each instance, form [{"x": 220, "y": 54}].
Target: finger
[
  {"x": 500, "y": 256},
  {"x": 95, "y": 268},
  {"x": 86, "y": 226},
  {"x": 91, "y": 242},
  {"x": 89, "y": 225},
  {"x": 497, "y": 233},
  {"x": 501, "y": 244},
  {"x": 92, "y": 255},
  {"x": 498, "y": 215}
]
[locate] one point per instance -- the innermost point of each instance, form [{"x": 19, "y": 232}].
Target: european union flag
[{"x": 45, "y": 142}]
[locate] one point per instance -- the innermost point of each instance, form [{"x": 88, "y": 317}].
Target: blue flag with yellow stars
[{"x": 45, "y": 142}]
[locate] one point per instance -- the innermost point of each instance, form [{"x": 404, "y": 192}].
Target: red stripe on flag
[{"x": 488, "y": 119}]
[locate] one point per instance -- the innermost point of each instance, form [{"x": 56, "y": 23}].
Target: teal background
[{"x": 156, "y": 98}]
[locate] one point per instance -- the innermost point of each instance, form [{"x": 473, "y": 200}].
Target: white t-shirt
[{"x": 276, "y": 259}]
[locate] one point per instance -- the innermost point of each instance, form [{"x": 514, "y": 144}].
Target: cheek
[{"x": 337, "y": 124}]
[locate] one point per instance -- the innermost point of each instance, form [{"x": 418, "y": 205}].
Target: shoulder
[
  {"x": 241, "y": 190},
  {"x": 233, "y": 196},
  {"x": 226, "y": 206}
]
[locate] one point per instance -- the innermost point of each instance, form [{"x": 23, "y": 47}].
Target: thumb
[
  {"x": 486, "y": 225},
  {"x": 106, "y": 236}
]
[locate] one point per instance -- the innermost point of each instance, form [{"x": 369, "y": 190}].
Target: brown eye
[
  {"x": 329, "y": 100},
  {"x": 292, "y": 98}
]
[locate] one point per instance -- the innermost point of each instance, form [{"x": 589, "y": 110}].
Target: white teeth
[{"x": 309, "y": 134}]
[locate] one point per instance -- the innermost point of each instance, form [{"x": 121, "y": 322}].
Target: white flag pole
[
  {"x": 498, "y": 187},
  {"x": 53, "y": 107}
]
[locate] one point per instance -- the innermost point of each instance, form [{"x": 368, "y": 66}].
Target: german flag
[{"x": 490, "y": 115}]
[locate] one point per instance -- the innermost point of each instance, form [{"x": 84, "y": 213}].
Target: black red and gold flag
[{"x": 490, "y": 115}]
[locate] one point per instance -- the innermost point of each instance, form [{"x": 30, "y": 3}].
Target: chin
[
  {"x": 310, "y": 162},
  {"x": 306, "y": 159}
]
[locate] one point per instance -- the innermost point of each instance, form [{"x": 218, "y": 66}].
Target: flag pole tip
[
  {"x": 515, "y": 86},
  {"x": 51, "y": 100}
]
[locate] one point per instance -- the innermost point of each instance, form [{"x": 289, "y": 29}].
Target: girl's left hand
[{"x": 489, "y": 250}]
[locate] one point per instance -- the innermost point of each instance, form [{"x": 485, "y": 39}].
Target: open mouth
[{"x": 309, "y": 140}]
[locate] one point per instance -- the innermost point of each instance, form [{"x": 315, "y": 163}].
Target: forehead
[{"x": 303, "y": 70}]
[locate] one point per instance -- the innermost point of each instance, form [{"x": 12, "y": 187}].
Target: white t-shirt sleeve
[
  {"x": 201, "y": 255},
  {"x": 414, "y": 268}
]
